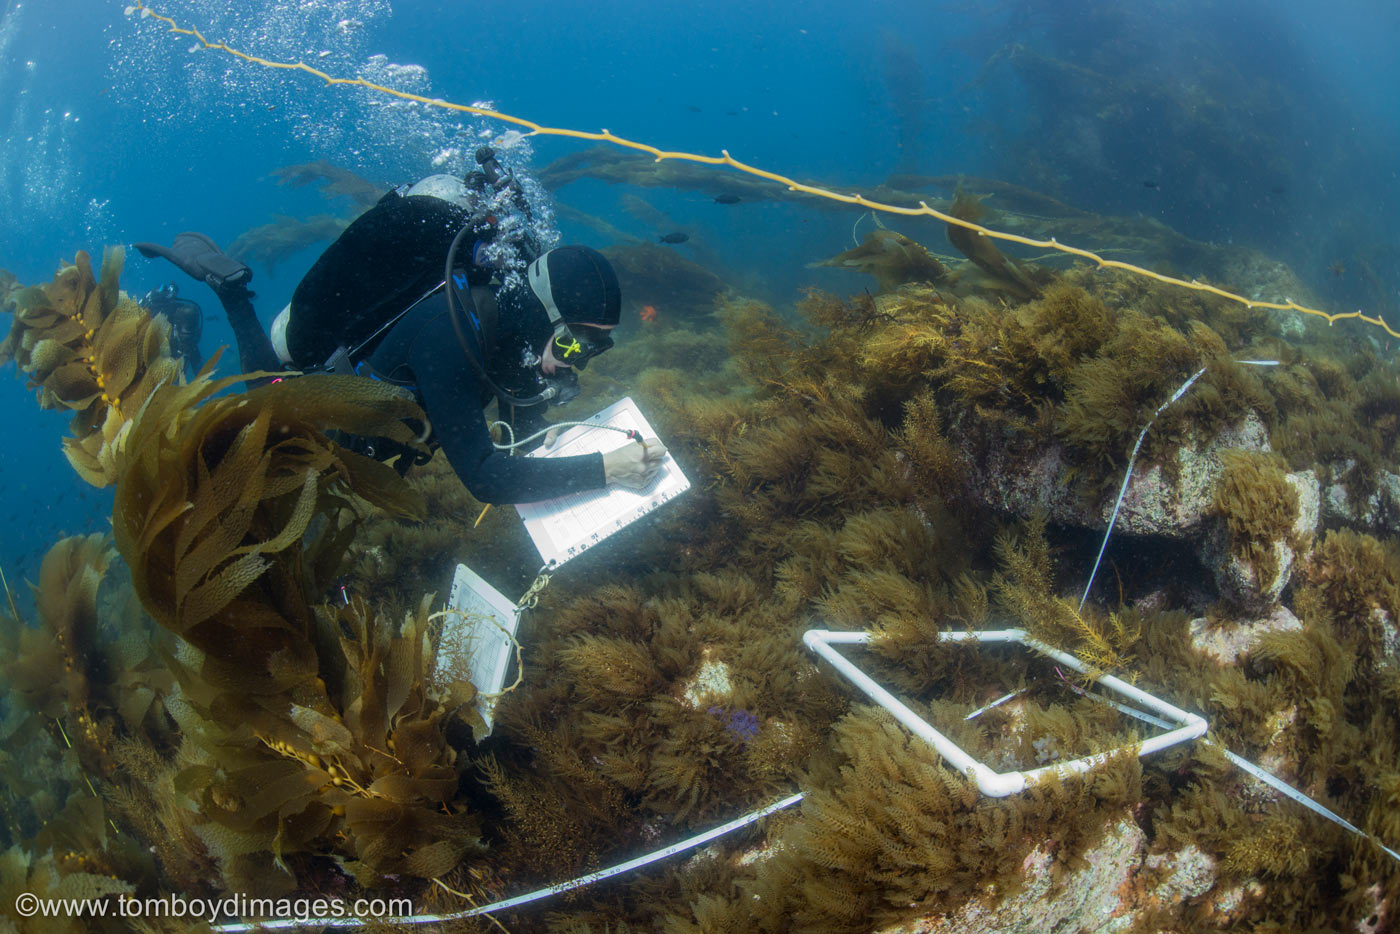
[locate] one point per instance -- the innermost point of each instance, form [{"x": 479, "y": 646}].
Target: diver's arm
[
  {"x": 633, "y": 465},
  {"x": 452, "y": 399}
]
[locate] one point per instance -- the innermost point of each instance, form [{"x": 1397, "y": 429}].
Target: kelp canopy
[{"x": 259, "y": 737}]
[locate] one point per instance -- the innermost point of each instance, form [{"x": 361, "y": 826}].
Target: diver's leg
[
  {"x": 254, "y": 346},
  {"x": 200, "y": 258}
]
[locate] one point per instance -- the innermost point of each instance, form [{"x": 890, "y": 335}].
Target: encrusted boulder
[
  {"x": 1176, "y": 503},
  {"x": 1227, "y": 643},
  {"x": 1164, "y": 882},
  {"x": 1115, "y": 889},
  {"x": 1255, "y": 583},
  {"x": 1389, "y": 648},
  {"x": 1053, "y": 898},
  {"x": 1377, "y": 512},
  {"x": 1171, "y": 503}
]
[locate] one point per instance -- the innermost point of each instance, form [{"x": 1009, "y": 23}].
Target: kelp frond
[
  {"x": 212, "y": 508},
  {"x": 89, "y": 348}
]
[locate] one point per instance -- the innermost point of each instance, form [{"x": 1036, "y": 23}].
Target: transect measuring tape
[{"x": 286, "y": 924}]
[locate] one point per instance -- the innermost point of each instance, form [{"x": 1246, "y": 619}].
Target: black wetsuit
[
  {"x": 422, "y": 350},
  {"x": 384, "y": 262}
]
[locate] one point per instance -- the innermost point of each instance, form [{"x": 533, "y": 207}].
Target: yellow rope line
[{"x": 606, "y": 136}]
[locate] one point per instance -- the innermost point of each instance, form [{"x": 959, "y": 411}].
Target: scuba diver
[
  {"x": 186, "y": 323},
  {"x": 412, "y": 293}
]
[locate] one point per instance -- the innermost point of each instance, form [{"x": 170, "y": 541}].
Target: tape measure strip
[{"x": 285, "y": 924}]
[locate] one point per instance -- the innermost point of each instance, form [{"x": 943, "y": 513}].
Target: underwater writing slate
[
  {"x": 476, "y": 639},
  {"x": 567, "y": 526}
]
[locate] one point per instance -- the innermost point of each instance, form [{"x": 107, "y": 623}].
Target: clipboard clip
[{"x": 532, "y": 596}]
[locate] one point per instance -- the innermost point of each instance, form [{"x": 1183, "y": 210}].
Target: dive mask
[{"x": 575, "y": 345}]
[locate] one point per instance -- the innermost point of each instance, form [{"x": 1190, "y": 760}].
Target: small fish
[
  {"x": 727, "y": 199},
  {"x": 1337, "y": 269},
  {"x": 1151, "y": 184},
  {"x": 693, "y": 109},
  {"x": 648, "y": 313},
  {"x": 677, "y": 237}
]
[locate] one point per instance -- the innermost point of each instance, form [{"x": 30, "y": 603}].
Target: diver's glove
[{"x": 200, "y": 258}]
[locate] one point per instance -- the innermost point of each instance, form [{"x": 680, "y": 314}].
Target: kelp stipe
[
  {"x": 218, "y": 496},
  {"x": 316, "y": 728}
]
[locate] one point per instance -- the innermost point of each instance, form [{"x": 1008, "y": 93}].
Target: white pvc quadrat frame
[{"x": 1001, "y": 784}]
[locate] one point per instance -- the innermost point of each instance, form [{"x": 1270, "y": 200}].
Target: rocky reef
[{"x": 251, "y": 699}]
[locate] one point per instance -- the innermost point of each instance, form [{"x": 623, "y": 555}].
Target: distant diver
[
  {"x": 186, "y": 323},
  {"x": 676, "y": 237},
  {"x": 407, "y": 295}
]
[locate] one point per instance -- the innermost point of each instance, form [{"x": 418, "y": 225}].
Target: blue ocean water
[{"x": 1270, "y": 124}]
